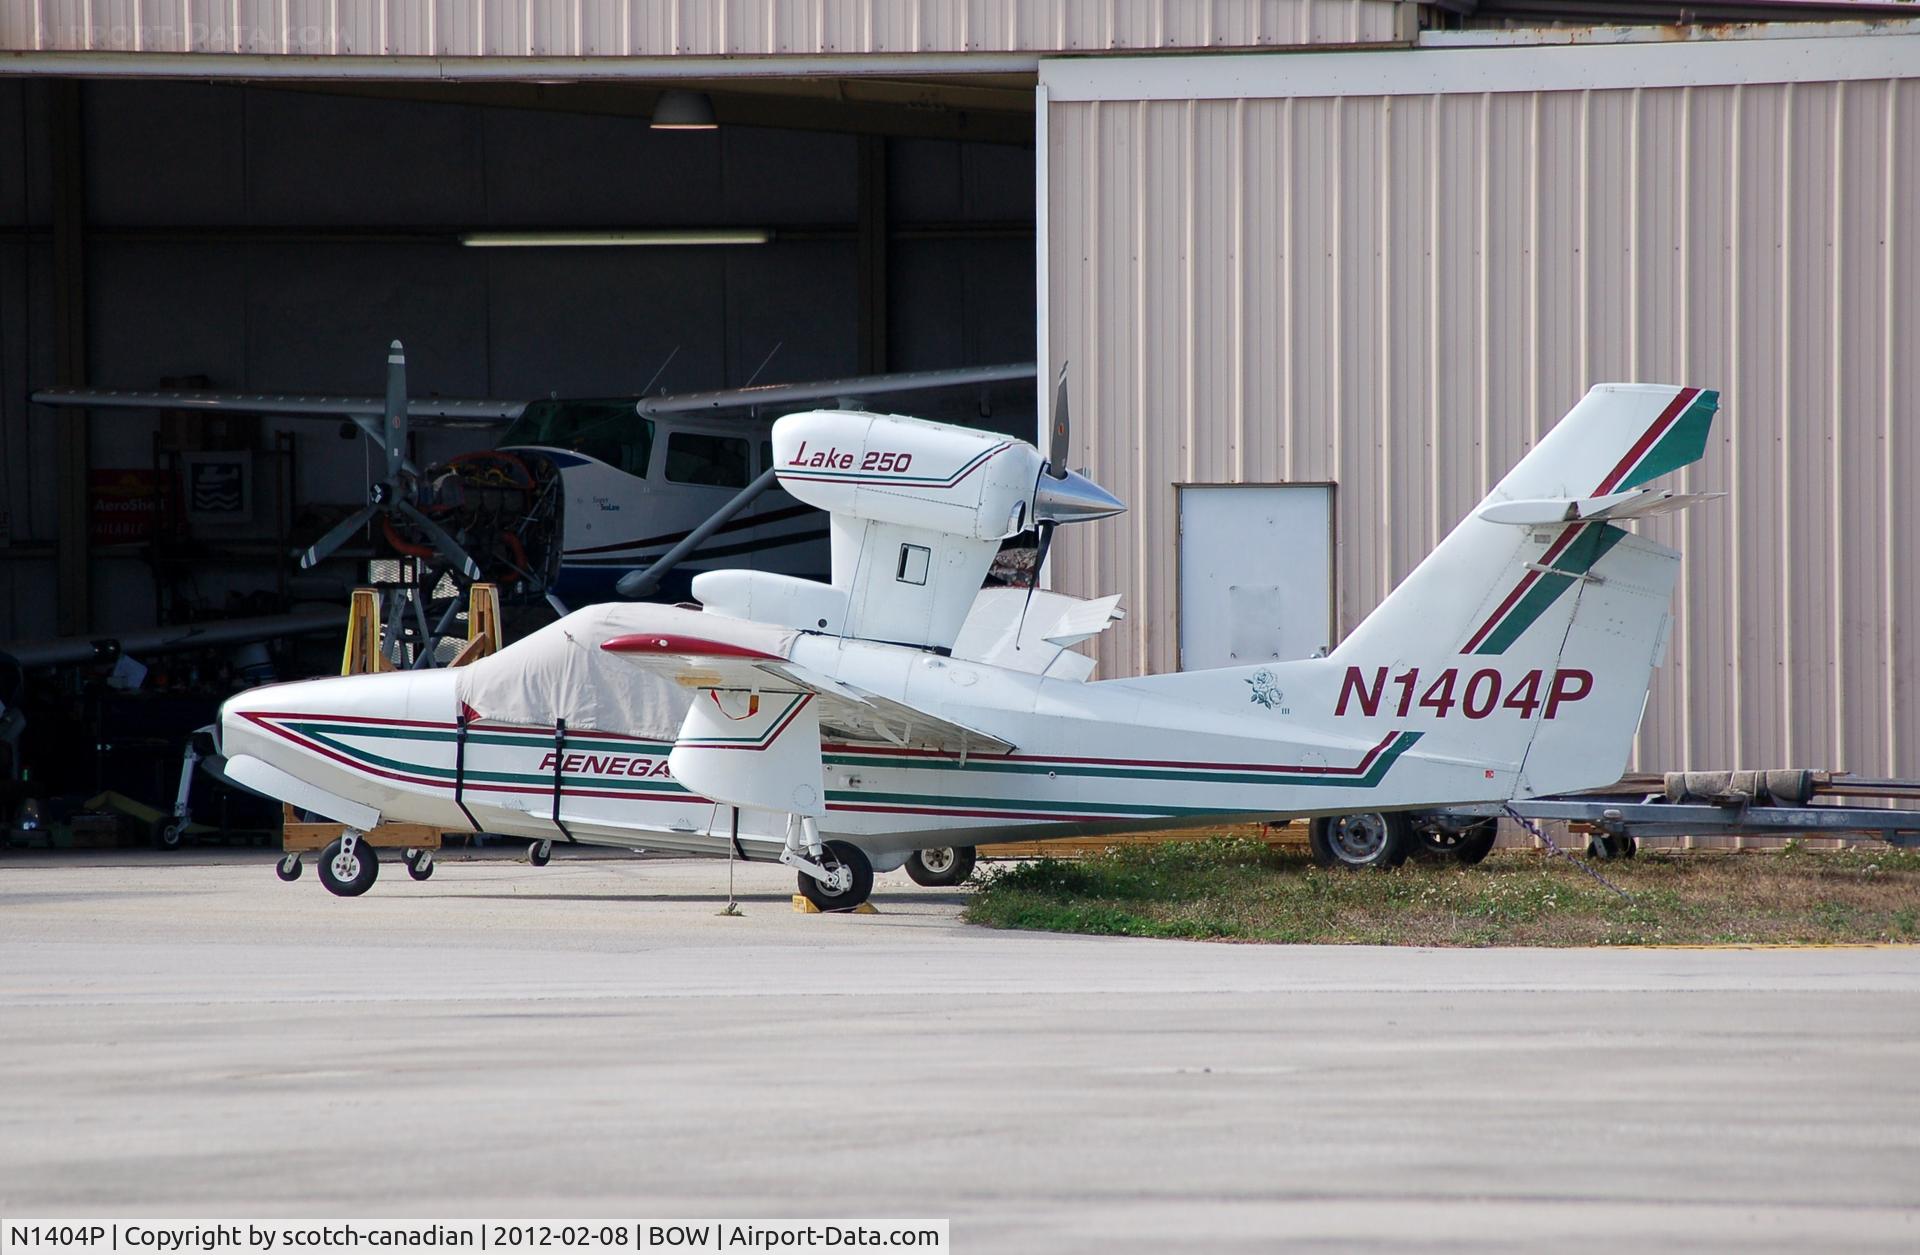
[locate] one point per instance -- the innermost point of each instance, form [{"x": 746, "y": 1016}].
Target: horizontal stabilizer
[
  {"x": 1552, "y": 511},
  {"x": 1034, "y": 632}
]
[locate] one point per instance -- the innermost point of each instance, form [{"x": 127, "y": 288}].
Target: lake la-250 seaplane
[{"x": 840, "y": 727}]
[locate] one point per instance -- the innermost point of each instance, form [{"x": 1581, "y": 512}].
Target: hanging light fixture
[{"x": 680, "y": 110}]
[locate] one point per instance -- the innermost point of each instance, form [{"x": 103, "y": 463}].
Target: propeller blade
[
  {"x": 337, "y": 536},
  {"x": 447, "y": 546},
  {"x": 396, "y": 415},
  {"x": 1045, "y": 531},
  {"x": 1058, "y": 453}
]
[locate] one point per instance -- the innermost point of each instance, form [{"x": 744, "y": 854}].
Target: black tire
[
  {"x": 540, "y": 853},
  {"x": 354, "y": 881},
  {"x": 1364, "y": 839},
  {"x": 170, "y": 835},
  {"x": 1468, "y": 845},
  {"x": 1477, "y": 842},
  {"x": 942, "y": 865},
  {"x": 289, "y": 868},
  {"x": 1601, "y": 849},
  {"x": 855, "y": 860},
  {"x": 420, "y": 864}
]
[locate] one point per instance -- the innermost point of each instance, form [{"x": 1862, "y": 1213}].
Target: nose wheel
[
  {"x": 289, "y": 868},
  {"x": 540, "y": 853},
  {"x": 349, "y": 866}
]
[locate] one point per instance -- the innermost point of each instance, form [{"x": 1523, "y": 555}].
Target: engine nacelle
[
  {"x": 919, "y": 509},
  {"x": 905, "y": 471}
]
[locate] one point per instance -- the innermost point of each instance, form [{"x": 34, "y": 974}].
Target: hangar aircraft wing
[
  {"x": 431, "y": 412},
  {"x": 455, "y": 412},
  {"x": 854, "y": 388},
  {"x": 845, "y": 711}
]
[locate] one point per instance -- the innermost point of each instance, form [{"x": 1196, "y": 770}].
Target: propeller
[
  {"x": 392, "y": 494},
  {"x": 1056, "y": 467},
  {"x": 1058, "y": 449}
]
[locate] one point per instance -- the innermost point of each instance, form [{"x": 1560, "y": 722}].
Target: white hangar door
[{"x": 1256, "y": 573}]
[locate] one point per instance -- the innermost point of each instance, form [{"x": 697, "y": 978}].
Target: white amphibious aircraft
[{"x": 841, "y": 727}]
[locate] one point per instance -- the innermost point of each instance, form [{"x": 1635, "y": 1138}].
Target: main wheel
[
  {"x": 349, "y": 875},
  {"x": 942, "y": 865},
  {"x": 1366, "y": 839},
  {"x": 171, "y": 835},
  {"x": 540, "y": 853},
  {"x": 289, "y": 868},
  {"x": 860, "y": 883},
  {"x": 419, "y": 864},
  {"x": 1467, "y": 845}
]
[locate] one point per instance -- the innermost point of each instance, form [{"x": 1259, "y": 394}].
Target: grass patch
[{"x": 1240, "y": 890}]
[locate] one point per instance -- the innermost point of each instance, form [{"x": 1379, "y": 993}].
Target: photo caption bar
[{"x": 275, "y": 1237}]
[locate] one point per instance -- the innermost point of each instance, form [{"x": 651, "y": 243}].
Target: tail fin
[{"x": 1527, "y": 638}]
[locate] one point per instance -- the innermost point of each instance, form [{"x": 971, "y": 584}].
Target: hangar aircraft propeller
[{"x": 838, "y": 726}]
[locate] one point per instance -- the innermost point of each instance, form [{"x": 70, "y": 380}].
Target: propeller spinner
[{"x": 1063, "y": 495}]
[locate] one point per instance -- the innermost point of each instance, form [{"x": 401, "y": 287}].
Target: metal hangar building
[{"x": 1321, "y": 271}]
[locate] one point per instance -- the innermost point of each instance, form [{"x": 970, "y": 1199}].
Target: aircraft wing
[
  {"x": 854, "y": 388},
  {"x": 846, "y": 711},
  {"x": 431, "y": 412},
  {"x": 106, "y": 646}
]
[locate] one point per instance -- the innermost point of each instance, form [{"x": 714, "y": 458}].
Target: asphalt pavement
[{"x": 185, "y": 1035}]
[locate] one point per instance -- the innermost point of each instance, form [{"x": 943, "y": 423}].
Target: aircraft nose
[
  {"x": 237, "y": 724},
  {"x": 1075, "y": 499}
]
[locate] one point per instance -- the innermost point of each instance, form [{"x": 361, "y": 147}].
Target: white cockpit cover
[{"x": 560, "y": 671}]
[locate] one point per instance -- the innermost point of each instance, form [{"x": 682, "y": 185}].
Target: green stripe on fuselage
[{"x": 329, "y": 734}]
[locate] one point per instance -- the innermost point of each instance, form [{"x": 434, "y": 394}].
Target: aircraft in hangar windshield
[{"x": 581, "y": 493}]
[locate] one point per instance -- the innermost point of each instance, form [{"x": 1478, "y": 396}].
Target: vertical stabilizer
[{"x": 1532, "y": 644}]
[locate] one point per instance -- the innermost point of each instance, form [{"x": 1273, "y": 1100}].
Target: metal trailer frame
[{"x": 1629, "y": 811}]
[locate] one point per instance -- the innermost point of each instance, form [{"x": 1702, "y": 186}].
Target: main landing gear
[
  {"x": 834, "y": 875},
  {"x": 1386, "y": 839},
  {"x": 942, "y": 865},
  {"x": 1366, "y": 839}
]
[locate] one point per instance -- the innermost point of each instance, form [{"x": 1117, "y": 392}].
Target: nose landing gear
[{"x": 349, "y": 866}]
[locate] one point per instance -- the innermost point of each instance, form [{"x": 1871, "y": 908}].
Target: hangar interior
[{"x": 275, "y": 238}]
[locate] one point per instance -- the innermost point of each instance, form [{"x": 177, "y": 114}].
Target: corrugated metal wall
[
  {"x": 681, "y": 27},
  {"x": 1399, "y": 293}
]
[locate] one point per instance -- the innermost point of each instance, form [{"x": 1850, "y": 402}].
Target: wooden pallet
[{"x": 298, "y": 836}]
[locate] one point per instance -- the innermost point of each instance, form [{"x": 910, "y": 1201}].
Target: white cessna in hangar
[{"x": 839, "y": 727}]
